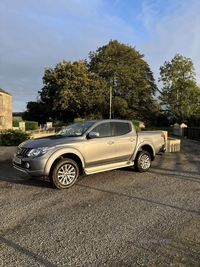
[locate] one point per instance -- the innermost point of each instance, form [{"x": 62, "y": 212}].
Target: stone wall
[
  {"x": 5, "y": 110},
  {"x": 7, "y": 152},
  {"x": 173, "y": 145}
]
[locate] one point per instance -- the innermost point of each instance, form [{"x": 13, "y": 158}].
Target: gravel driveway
[{"x": 118, "y": 218}]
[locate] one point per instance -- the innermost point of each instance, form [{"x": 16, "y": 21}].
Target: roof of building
[{"x": 3, "y": 91}]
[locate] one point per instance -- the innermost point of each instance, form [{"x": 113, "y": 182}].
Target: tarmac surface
[{"x": 118, "y": 218}]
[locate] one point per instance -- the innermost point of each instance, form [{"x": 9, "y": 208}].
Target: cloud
[
  {"x": 37, "y": 34},
  {"x": 175, "y": 31}
]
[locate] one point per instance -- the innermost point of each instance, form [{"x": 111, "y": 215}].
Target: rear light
[{"x": 163, "y": 135}]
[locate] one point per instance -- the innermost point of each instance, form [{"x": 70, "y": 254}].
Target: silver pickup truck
[{"x": 88, "y": 147}]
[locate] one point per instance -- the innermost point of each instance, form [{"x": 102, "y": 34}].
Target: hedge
[
  {"x": 13, "y": 137},
  {"x": 137, "y": 125},
  {"x": 29, "y": 125}
]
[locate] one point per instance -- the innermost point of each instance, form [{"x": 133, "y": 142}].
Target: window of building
[
  {"x": 1, "y": 100},
  {"x": 1, "y": 120}
]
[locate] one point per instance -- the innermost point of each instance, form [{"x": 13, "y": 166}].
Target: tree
[
  {"x": 36, "y": 111},
  {"x": 71, "y": 91},
  {"x": 180, "y": 94},
  {"x": 129, "y": 79}
]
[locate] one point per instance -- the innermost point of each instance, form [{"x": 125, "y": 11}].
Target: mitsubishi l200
[{"x": 88, "y": 147}]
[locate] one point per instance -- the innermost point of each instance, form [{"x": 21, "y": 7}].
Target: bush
[
  {"x": 78, "y": 120},
  {"x": 13, "y": 137},
  {"x": 16, "y": 123},
  {"x": 31, "y": 125},
  {"x": 58, "y": 123},
  {"x": 137, "y": 125}
]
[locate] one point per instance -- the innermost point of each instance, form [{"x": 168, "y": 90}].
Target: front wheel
[
  {"x": 64, "y": 174},
  {"x": 143, "y": 161}
]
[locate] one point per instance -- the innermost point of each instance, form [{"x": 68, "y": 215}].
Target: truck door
[
  {"x": 125, "y": 139},
  {"x": 101, "y": 150}
]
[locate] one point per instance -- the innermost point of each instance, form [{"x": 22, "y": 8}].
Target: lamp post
[{"x": 110, "y": 116}]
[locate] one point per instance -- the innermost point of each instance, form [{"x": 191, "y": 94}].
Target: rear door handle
[{"x": 132, "y": 139}]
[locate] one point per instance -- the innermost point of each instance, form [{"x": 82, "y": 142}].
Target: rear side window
[{"x": 121, "y": 128}]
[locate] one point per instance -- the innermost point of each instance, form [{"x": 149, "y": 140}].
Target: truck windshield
[{"x": 76, "y": 129}]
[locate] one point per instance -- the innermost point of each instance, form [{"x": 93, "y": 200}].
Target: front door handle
[{"x": 110, "y": 142}]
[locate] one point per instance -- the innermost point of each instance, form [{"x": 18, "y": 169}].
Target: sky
[{"x": 35, "y": 34}]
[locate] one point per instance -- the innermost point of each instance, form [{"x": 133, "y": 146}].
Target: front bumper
[{"x": 32, "y": 166}]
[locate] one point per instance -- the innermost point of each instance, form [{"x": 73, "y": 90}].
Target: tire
[
  {"x": 143, "y": 161},
  {"x": 64, "y": 174}
]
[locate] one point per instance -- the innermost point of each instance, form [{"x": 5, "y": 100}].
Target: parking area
[{"x": 117, "y": 218}]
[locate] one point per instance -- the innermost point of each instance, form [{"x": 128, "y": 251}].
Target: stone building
[{"x": 5, "y": 110}]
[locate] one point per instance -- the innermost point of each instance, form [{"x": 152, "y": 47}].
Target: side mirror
[{"x": 93, "y": 135}]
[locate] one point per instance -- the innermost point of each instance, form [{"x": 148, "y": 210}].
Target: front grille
[{"x": 22, "y": 152}]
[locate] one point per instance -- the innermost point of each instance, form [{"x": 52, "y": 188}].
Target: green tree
[
  {"x": 128, "y": 78},
  {"x": 180, "y": 94},
  {"x": 36, "y": 111},
  {"x": 71, "y": 91}
]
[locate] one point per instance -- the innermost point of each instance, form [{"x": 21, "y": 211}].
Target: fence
[{"x": 192, "y": 133}]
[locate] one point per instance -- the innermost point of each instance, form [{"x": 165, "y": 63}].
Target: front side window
[
  {"x": 1, "y": 100},
  {"x": 103, "y": 129},
  {"x": 121, "y": 128}
]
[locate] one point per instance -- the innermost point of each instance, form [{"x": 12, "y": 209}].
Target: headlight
[{"x": 35, "y": 152}]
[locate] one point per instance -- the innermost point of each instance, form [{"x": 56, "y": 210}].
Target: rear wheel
[
  {"x": 64, "y": 173},
  {"x": 143, "y": 161}
]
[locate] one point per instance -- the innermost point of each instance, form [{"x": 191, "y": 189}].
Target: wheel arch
[
  {"x": 69, "y": 156},
  {"x": 55, "y": 158},
  {"x": 148, "y": 148}
]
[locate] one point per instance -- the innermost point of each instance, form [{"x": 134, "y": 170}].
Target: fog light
[{"x": 27, "y": 165}]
